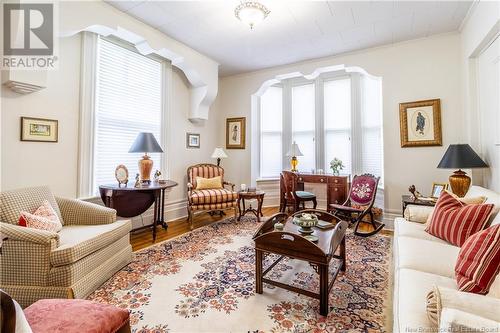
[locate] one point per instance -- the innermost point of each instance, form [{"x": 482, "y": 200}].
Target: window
[
  {"x": 271, "y": 132},
  {"x": 337, "y": 106},
  {"x": 303, "y": 124},
  {"x": 335, "y": 115},
  {"x": 128, "y": 100}
]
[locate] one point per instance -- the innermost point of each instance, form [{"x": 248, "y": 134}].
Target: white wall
[
  {"x": 414, "y": 70},
  {"x": 26, "y": 164},
  {"x": 482, "y": 24}
]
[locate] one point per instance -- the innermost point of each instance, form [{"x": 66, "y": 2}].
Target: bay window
[{"x": 336, "y": 115}]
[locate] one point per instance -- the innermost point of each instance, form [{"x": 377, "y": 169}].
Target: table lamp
[
  {"x": 145, "y": 143},
  {"x": 460, "y": 156},
  {"x": 293, "y": 153},
  {"x": 218, "y": 154}
]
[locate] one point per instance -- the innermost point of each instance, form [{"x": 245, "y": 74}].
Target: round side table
[{"x": 258, "y": 195}]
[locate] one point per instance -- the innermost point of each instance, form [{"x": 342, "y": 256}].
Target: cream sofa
[
  {"x": 72, "y": 263},
  {"x": 422, "y": 261}
]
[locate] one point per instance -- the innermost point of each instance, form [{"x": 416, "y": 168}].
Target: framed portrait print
[
  {"x": 39, "y": 130},
  {"x": 437, "y": 189},
  {"x": 235, "y": 133},
  {"x": 192, "y": 140},
  {"x": 420, "y": 123}
]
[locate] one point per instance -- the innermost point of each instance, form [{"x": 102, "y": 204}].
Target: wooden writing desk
[{"x": 337, "y": 187}]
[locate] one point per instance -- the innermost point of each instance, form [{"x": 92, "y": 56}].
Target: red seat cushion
[
  {"x": 454, "y": 221},
  {"x": 478, "y": 261},
  {"x": 74, "y": 316},
  {"x": 344, "y": 208}
]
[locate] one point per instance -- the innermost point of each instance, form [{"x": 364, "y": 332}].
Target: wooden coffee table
[{"x": 290, "y": 243}]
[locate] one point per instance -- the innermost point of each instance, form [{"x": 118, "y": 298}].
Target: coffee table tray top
[{"x": 290, "y": 243}]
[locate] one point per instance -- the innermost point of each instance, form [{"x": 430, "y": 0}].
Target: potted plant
[{"x": 336, "y": 165}]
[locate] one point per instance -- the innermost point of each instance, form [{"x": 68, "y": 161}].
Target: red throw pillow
[
  {"x": 478, "y": 261},
  {"x": 44, "y": 218},
  {"x": 454, "y": 221}
]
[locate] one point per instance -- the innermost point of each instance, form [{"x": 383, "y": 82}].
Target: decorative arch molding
[
  {"x": 201, "y": 97},
  {"x": 317, "y": 72}
]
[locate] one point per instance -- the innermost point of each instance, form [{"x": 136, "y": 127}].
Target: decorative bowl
[{"x": 306, "y": 222}]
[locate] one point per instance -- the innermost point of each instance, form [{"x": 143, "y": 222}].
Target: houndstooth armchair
[
  {"x": 209, "y": 200},
  {"x": 71, "y": 263}
]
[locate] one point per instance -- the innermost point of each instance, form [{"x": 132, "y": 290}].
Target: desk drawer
[
  {"x": 337, "y": 194},
  {"x": 320, "y": 179}
]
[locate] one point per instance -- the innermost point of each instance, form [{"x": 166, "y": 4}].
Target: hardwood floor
[{"x": 143, "y": 238}]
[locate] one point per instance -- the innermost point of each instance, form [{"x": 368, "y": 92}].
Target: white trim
[
  {"x": 87, "y": 111},
  {"x": 166, "y": 133}
]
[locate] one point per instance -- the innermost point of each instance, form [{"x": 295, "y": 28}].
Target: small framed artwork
[
  {"x": 437, "y": 189},
  {"x": 39, "y": 130},
  {"x": 420, "y": 123},
  {"x": 235, "y": 133},
  {"x": 192, "y": 140}
]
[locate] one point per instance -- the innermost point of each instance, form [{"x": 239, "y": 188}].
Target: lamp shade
[
  {"x": 461, "y": 156},
  {"x": 219, "y": 153},
  {"x": 145, "y": 143},
  {"x": 294, "y": 150}
]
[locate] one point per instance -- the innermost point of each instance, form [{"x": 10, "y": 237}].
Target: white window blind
[
  {"x": 371, "y": 127},
  {"x": 271, "y": 132},
  {"x": 337, "y": 108},
  {"x": 303, "y": 124},
  {"x": 128, "y": 101}
]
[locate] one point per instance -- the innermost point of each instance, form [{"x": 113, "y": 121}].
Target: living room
[{"x": 234, "y": 166}]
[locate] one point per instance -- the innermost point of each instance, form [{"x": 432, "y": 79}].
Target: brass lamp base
[
  {"x": 145, "y": 167},
  {"x": 294, "y": 162},
  {"x": 459, "y": 183}
]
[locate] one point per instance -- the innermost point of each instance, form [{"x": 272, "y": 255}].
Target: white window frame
[
  {"x": 354, "y": 132},
  {"x": 86, "y": 144}
]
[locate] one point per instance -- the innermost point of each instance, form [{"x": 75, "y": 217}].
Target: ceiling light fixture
[{"x": 251, "y": 13}]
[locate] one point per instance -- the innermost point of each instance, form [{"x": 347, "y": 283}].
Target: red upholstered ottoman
[{"x": 76, "y": 316}]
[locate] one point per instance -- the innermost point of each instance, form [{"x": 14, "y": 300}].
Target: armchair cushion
[
  {"x": 208, "y": 183},
  {"x": 44, "y": 218},
  {"x": 78, "y": 241},
  {"x": 28, "y": 199},
  {"x": 78, "y": 212},
  {"x": 205, "y": 171},
  {"x": 213, "y": 196}
]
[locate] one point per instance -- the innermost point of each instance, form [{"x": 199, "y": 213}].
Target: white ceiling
[{"x": 294, "y": 30}]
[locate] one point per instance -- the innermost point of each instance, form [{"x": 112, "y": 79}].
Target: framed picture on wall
[
  {"x": 39, "y": 129},
  {"x": 235, "y": 133},
  {"x": 192, "y": 140},
  {"x": 420, "y": 123}
]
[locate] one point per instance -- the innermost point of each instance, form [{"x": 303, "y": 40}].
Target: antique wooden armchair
[
  {"x": 292, "y": 197},
  {"x": 359, "y": 204},
  {"x": 209, "y": 200}
]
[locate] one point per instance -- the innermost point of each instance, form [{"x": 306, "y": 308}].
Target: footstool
[{"x": 76, "y": 316}]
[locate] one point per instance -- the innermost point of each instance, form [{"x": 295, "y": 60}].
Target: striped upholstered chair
[{"x": 209, "y": 200}]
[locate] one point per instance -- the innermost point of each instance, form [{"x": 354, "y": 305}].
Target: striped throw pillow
[
  {"x": 478, "y": 261},
  {"x": 454, "y": 221}
]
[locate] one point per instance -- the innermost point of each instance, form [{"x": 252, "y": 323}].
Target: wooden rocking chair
[{"x": 359, "y": 204}]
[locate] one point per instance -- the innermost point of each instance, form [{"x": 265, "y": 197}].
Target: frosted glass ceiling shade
[{"x": 251, "y": 13}]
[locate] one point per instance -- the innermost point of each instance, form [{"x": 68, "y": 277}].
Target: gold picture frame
[
  {"x": 420, "y": 123},
  {"x": 235, "y": 133},
  {"x": 437, "y": 189},
  {"x": 39, "y": 129}
]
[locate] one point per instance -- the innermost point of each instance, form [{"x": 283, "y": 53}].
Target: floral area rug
[{"x": 204, "y": 281}]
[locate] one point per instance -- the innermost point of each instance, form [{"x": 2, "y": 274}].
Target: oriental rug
[{"x": 204, "y": 281}]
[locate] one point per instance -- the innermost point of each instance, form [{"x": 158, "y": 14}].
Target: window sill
[{"x": 264, "y": 180}]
